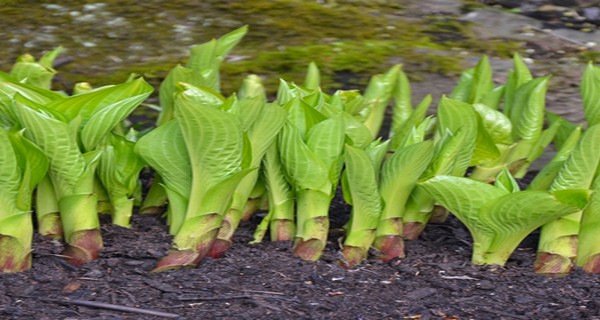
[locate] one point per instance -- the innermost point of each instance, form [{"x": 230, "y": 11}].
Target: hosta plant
[
  {"x": 500, "y": 216},
  {"x": 23, "y": 166}
]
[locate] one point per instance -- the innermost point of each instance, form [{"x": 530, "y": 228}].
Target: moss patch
[{"x": 347, "y": 38}]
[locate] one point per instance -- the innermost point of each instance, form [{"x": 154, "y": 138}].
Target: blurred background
[{"x": 350, "y": 40}]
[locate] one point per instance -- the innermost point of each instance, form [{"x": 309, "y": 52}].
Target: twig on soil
[{"x": 109, "y": 306}]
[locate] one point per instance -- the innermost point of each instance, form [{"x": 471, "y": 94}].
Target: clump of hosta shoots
[{"x": 500, "y": 216}]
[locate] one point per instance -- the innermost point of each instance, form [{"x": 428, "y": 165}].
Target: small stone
[
  {"x": 420, "y": 293},
  {"x": 71, "y": 287},
  {"x": 485, "y": 285}
]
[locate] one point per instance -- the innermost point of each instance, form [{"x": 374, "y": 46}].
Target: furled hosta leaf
[
  {"x": 590, "y": 94},
  {"x": 303, "y": 166},
  {"x": 376, "y": 97},
  {"x": 563, "y": 132},
  {"x": 102, "y": 121},
  {"x": 260, "y": 135},
  {"x": 485, "y": 146},
  {"x": 402, "y": 107},
  {"x": 588, "y": 248},
  {"x": 213, "y": 139},
  {"x": 326, "y": 139},
  {"x": 252, "y": 87},
  {"x": 522, "y": 73},
  {"x": 529, "y": 108},
  {"x": 495, "y": 123},
  {"x": 401, "y": 172},
  {"x": 366, "y": 204},
  {"x": 119, "y": 169},
  {"x": 357, "y": 134},
  {"x": 517, "y": 77},
  {"x": 506, "y": 181},
  {"x": 302, "y": 116},
  {"x": 463, "y": 197},
  {"x": 9, "y": 88},
  {"x": 167, "y": 90},
  {"x": 453, "y": 116},
  {"x": 206, "y": 58},
  {"x": 544, "y": 179},
  {"x": 87, "y": 104},
  {"x": 492, "y": 98},
  {"x": 36, "y": 73},
  {"x": 10, "y": 175},
  {"x": 399, "y": 176},
  {"x": 281, "y": 196},
  {"x": 462, "y": 90},
  {"x": 66, "y": 161},
  {"x": 557, "y": 246},
  {"x": 33, "y": 165},
  {"x": 313, "y": 77},
  {"x": 402, "y": 132},
  {"x": 580, "y": 168},
  {"x": 514, "y": 216},
  {"x": 165, "y": 151},
  {"x": 482, "y": 81}
]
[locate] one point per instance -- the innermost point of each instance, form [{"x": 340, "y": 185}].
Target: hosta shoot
[
  {"x": 23, "y": 166},
  {"x": 497, "y": 217},
  {"x": 260, "y": 134},
  {"x": 399, "y": 174},
  {"x": 119, "y": 170},
  {"x": 361, "y": 185},
  {"x": 201, "y": 170},
  {"x": 517, "y": 132},
  {"x": 311, "y": 152},
  {"x": 455, "y": 148},
  {"x": 69, "y": 131},
  {"x": 280, "y": 218},
  {"x": 558, "y": 239},
  {"x": 377, "y": 95},
  {"x": 36, "y": 73}
]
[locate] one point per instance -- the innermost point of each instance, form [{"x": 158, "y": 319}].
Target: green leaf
[
  {"x": 564, "y": 131},
  {"x": 206, "y": 58},
  {"x": 87, "y": 104},
  {"x": 402, "y": 107},
  {"x": 482, "y": 83},
  {"x": 506, "y": 181},
  {"x": 580, "y": 168},
  {"x": 67, "y": 164},
  {"x": 366, "y": 201},
  {"x": 400, "y": 174},
  {"x": 165, "y": 151},
  {"x": 213, "y": 139},
  {"x": 495, "y": 123},
  {"x": 590, "y": 94},
  {"x": 303, "y": 167},
  {"x": 492, "y": 98},
  {"x": 464, "y": 198},
  {"x": 33, "y": 165},
  {"x": 376, "y": 97},
  {"x": 529, "y": 108},
  {"x": 10, "y": 177},
  {"x": 514, "y": 216},
  {"x": 462, "y": 90},
  {"x": 313, "y": 77},
  {"x": 103, "y": 120},
  {"x": 453, "y": 116}
]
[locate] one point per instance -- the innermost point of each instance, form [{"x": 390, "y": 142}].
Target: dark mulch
[{"x": 265, "y": 281}]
